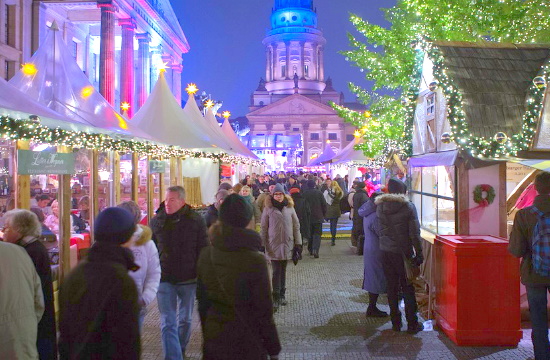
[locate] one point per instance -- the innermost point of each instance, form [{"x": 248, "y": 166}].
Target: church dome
[{"x": 293, "y": 14}]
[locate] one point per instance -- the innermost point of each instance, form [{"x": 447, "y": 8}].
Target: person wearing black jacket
[
  {"x": 303, "y": 211},
  {"x": 359, "y": 198},
  {"x": 180, "y": 235},
  {"x": 212, "y": 211},
  {"x": 318, "y": 207},
  {"x": 233, "y": 290},
  {"x": 22, "y": 227},
  {"x": 98, "y": 301},
  {"x": 399, "y": 234}
]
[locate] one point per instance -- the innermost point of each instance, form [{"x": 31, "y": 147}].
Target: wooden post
[
  {"x": 135, "y": 177},
  {"x": 94, "y": 195},
  {"x": 173, "y": 171},
  {"x": 116, "y": 178},
  {"x": 64, "y": 199},
  {"x": 150, "y": 191},
  {"x": 462, "y": 194},
  {"x": 23, "y": 182},
  {"x": 179, "y": 172},
  {"x": 162, "y": 186},
  {"x": 502, "y": 211}
]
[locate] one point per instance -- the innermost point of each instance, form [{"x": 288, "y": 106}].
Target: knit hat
[
  {"x": 396, "y": 187},
  {"x": 294, "y": 190},
  {"x": 361, "y": 185},
  {"x": 311, "y": 184},
  {"x": 235, "y": 211},
  {"x": 278, "y": 188},
  {"x": 114, "y": 225}
]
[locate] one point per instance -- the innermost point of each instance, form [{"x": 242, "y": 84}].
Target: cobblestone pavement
[{"x": 324, "y": 319}]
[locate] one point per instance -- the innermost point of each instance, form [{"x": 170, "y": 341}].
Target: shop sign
[
  {"x": 157, "y": 166},
  {"x": 44, "y": 162}
]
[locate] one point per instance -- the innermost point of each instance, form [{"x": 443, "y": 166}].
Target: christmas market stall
[
  {"x": 480, "y": 125},
  {"x": 317, "y": 162}
]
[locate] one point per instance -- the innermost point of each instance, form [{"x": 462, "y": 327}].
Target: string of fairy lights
[{"x": 25, "y": 129}]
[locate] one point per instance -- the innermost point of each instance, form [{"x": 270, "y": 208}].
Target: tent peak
[{"x": 54, "y": 26}]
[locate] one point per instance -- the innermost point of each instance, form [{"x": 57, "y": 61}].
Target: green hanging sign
[
  {"x": 44, "y": 162},
  {"x": 157, "y": 166}
]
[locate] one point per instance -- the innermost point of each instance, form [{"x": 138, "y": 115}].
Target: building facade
[
  {"x": 119, "y": 44},
  {"x": 290, "y": 117}
]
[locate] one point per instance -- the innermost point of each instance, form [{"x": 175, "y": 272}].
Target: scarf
[{"x": 280, "y": 205}]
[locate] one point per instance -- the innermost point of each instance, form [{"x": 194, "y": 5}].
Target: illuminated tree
[{"x": 389, "y": 57}]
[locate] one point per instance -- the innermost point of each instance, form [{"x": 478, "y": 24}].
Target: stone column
[
  {"x": 321, "y": 64},
  {"x": 275, "y": 64},
  {"x": 168, "y": 60},
  {"x": 269, "y": 128},
  {"x": 143, "y": 74},
  {"x": 314, "y": 61},
  {"x": 305, "y": 156},
  {"x": 287, "y": 48},
  {"x": 127, "y": 63},
  {"x": 107, "y": 50},
  {"x": 267, "y": 63},
  {"x": 324, "y": 130},
  {"x": 287, "y": 128},
  {"x": 301, "y": 72},
  {"x": 176, "y": 80}
]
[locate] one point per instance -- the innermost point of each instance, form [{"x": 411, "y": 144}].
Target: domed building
[{"x": 290, "y": 117}]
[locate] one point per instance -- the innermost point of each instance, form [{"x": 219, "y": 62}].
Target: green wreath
[{"x": 478, "y": 194}]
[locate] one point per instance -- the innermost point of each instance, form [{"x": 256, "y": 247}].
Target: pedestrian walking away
[
  {"x": 399, "y": 239},
  {"x": 318, "y": 207},
  {"x": 359, "y": 198},
  {"x": 303, "y": 211},
  {"x": 529, "y": 240},
  {"x": 374, "y": 280},
  {"x": 234, "y": 290},
  {"x": 21, "y": 303},
  {"x": 98, "y": 301},
  {"x": 21, "y": 227},
  {"x": 333, "y": 194},
  {"x": 180, "y": 234},
  {"x": 280, "y": 233}
]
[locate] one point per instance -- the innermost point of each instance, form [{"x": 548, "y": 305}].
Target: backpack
[
  {"x": 541, "y": 243},
  {"x": 344, "y": 205}
]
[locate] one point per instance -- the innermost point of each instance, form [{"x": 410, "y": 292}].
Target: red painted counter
[{"x": 477, "y": 290}]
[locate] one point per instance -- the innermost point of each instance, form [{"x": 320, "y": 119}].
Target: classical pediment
[{"x": 295, "y": 104}]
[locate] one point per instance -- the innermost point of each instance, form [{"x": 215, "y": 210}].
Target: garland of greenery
[
  {"x": 478, "y": 194},
  {"x": 22, "y": 129},
  {"x": 479, "y": 146}
]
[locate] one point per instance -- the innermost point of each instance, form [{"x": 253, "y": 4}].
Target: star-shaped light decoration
[
  {"x": 125, "y": 106},
  {"x": 87, "y": 91},
  {"x": 208, "y": 103},
  {"x": 191, "y": 89},
  {"x": 29, "y": 69},
  {"x": 367, "y": 114},
  {"x": 162, "y": 69},
  {"x": 226, "y": 114},
  {"x": 357, "y": 133}
]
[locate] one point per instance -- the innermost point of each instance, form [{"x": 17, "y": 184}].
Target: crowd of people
[{"x": 233, "y": 261}]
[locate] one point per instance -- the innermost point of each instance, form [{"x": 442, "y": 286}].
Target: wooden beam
[
  {"x": 150, "y": 192},
  {"x": 502, "y": 213},
  {"x": 64, "y": 199},
  {"x": 173, "y": 171},
  {"x": 116, "y": 178},
  {"x": 23, "y": 182},
  {"x": 94, "y": 195},
  {"x": 463, "y": 198},
  {"x": 518, "y": 190},
  {"x": 162, "y": 186},
  {"x": 135, "y": 177}
]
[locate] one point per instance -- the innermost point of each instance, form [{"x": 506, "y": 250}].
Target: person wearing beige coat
[{"x": 280, "y": 233}]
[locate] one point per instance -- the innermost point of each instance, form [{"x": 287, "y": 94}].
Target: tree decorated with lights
[{"x": 391, "y": 58}]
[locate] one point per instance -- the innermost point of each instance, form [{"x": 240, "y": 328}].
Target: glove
[{"x": 418, "y": 259}]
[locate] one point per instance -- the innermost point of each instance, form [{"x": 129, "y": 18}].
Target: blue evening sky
[{"x": 227, "y": 58}]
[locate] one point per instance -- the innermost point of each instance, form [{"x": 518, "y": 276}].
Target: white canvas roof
[
  {"x": 327, "y": 154},
  {"x": 348, "y": 153},
  {"x": 60, "y": 84},
  {"x": 162, "y": 117},
  {"x": 234, "y": 140}
]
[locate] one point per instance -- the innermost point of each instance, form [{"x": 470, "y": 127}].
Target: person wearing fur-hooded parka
[{"x": 280, "y": 233}]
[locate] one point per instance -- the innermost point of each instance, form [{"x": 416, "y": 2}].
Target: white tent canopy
[
  {"x": 54, "y": 79},
  {"x": 349, "y": 154},
  {"x": 327, "y": 154},
  {"x": 162, "y": 117},
  {"x": 233, "y": 139}
]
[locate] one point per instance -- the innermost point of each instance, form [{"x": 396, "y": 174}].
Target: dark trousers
[
  {"x": 356, "y": 230},
  {"x": 333, "y": 225},
  {"x": 316, "y": 231},
  {"x": 279, "y": 278},
  {"x": 396, "y": 279},
  {"x": 536, "y": 296}
]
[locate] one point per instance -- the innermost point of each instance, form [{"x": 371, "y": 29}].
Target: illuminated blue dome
[{"x": 293, "y": 14}]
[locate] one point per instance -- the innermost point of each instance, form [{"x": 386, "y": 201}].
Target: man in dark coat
[
  {"x": 23, "y": 228},
  {"x": 399, "y": 238},
  {"x": 233, "y": 290},
  {"x": 537, "y": 285},
  {"x": 318, "y": 207},
  {"x": 359, "y": 198},
  {"x": 303, "y": 211},
  {"x": 98, "y": 301},
  {"x": 212, "y": 211},
  {"x": 180, "y": 234}
]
